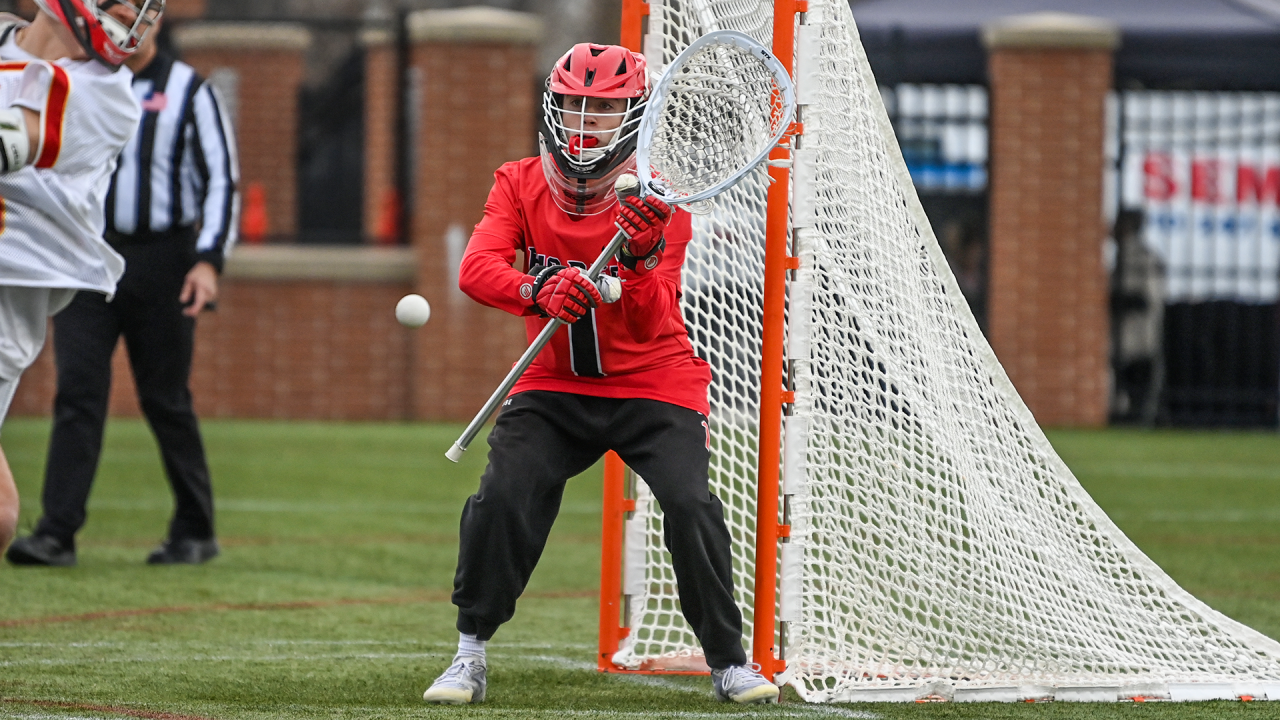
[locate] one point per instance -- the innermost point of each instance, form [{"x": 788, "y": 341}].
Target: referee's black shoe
[
  {"x": 41, "y": 550},
  {"x": 184, "y": 551}
]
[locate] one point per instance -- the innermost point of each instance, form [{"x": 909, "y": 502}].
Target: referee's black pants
[
  {"x": 159, "y": 339},
  {"x": 544, "y": 438}
]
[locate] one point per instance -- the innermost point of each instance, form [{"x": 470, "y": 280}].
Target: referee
[{"x": 172, "y": 213}]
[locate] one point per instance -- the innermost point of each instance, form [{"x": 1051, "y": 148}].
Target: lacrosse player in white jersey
[{"x": 66, "y": 112}]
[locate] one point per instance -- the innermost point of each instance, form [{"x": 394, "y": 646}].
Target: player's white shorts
[{"x": 24, "y": 321}]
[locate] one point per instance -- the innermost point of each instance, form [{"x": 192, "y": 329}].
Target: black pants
[
  {"x": 544, "y": 438},
  {"x": 160, "y": 340}
]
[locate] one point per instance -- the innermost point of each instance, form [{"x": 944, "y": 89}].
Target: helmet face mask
[
  {"x": 587, "y": 140},
  {"x": 108, "y": 30},
  {"x": 591, "y": 110},
  {"x": 588, "y": 129}
]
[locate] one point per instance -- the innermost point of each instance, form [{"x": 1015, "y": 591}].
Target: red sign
[{"x": 1212, "y": 181}]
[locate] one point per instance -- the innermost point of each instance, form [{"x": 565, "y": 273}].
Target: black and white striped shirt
[{"x": 180, "y": 169}]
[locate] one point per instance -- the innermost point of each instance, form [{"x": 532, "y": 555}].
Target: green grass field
[{"x": 331, "y": 597}]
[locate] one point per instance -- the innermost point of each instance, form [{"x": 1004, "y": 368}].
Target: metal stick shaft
[{"x": 464, "y": 441}]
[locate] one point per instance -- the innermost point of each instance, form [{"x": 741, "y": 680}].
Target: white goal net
[{"x": 939, "y": 546}]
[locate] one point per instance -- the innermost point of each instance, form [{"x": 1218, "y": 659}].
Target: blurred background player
[
  {"x": 65, "y": 114},
  {"x": 622, "y": 376},
  {"x": 171, "y": 213}
]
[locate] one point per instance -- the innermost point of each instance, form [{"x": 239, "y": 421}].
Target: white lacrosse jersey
[{"x": 51, "y": 212}]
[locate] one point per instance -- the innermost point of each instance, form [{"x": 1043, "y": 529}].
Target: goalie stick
[{"x": 715, "y": 114}]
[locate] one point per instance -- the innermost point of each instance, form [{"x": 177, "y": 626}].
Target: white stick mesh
[
  {"x": 721, "y": 108},
  {"x": 942, "y": 546}
]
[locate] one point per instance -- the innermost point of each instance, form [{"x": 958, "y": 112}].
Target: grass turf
[{"x": 331, "y": 598}]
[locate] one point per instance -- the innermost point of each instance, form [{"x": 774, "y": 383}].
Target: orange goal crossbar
[{"x": 613, "y": 628}]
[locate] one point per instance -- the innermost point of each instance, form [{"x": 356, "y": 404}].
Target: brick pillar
[
  {"x": 380, "y": 145},
  {"x": 258, "y": 68},
  {"x": 184, "y": 9},
  {"x": 1050, "y": 74},
  {"x": 473, "y": 104}
]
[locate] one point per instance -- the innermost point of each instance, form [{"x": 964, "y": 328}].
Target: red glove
[
  {"x": 564, "y": 293},
  {"x": 643, "y": 220}
]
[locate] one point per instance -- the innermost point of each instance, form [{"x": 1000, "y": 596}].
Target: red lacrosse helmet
[
  {"x": 606, "y": 71},
  {"x": 107, "y": 38},
  {"x": 583, "y": 151}
]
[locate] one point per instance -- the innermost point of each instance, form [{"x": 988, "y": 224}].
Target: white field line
[
  {"x": 1200, "y": 516},
  {"x": 443, "y": 654},
  {"x": 68, "y": 644},
  {"x": 52, "y": 662},
  {"x": 789, "y": 711},
  {"x": 262, "y": 505},
  {"x": 1179, "y": 471},
  {"x": 731, "y": 712},
  {"x": 192, "y": 644},
  {"x": 30, "y": 716}
]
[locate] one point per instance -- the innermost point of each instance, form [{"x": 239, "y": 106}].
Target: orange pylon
[
  {"x": 253, "y": 219},
  {"x": 388, "y": 230}
]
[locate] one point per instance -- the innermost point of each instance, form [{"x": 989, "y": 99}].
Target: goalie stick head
[
  {"x": 595, "y": 96},
  {"x": 108, "y": 30}
]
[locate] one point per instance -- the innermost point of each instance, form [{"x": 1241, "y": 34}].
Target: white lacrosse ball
[
  {"x": 626, "y": 185},
  {"x": 610, "y": 288},
  {"x": 413, "y": 311}
]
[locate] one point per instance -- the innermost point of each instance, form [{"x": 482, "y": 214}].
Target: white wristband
[{"x": 15, "y": 144}]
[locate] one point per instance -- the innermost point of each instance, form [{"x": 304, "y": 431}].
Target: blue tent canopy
[{"x": 1167, "y": 44}]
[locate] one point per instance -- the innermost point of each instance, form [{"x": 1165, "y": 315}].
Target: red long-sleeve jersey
[{"x": 637, "y": 347}]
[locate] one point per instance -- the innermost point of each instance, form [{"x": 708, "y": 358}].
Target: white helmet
[{"x": 107, "y": 39}]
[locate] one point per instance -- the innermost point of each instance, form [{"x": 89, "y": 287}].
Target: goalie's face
[{"x": 590, "y": 122}]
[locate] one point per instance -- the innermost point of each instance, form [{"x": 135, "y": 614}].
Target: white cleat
[
  {"x": 463, "y": 682},
  {"x": 743, "y": 684}
]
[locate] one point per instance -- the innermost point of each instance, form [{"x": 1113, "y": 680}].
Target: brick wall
[
  {"x": 258, "y": 67},
  {"x": 463, "y": 136},
  {"x": 1048, "y": 303},
  {"x": 184, "y": 9},
  {"x": 299, "y": 333}
]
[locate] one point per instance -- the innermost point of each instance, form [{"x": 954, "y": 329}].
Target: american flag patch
[{"x": 155, "y": 102}]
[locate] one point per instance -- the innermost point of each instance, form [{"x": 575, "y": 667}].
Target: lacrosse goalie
[{"x": 620, "y": 376}]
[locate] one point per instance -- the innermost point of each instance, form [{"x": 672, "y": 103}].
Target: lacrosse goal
[{"x": 912, "y": 532}]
